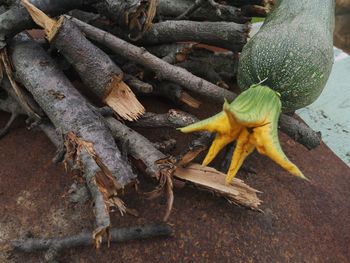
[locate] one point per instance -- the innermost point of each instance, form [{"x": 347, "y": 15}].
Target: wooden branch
[
  {"x": 70, "y": 112},
  {"x": 138, "y": 86},
  {"x": 97, "y": 71},
  {"x": 17, "y": 19},
  {"x": 54, "y": 246},
  {"x": 300, "y": 132},
  {"x": 163, "y": 70},
  {"x": 134, "y": 15},
  {"x": 188, "y": 55},
  {"x": 174, "y": 93},
  {"x": 172, "y": 119},
  {"x": 228, "y": 35},
  {"x": 199, "y": 10}
]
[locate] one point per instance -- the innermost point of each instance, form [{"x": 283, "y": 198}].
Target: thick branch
[
  {"x": 227, "y": 35},
  {"x": 300, "y": 132},
  {"x": 97, "y": 71},
  {"x": 169, "y": 8},
  {"x": 160, "y": 67},
  {"x": 70, "y": 112},
  {"x": 65, "y": 107},
  {"x": 17, "y": 19}
]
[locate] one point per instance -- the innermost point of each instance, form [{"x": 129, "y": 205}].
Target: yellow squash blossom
[{"x": 252, "y": 120}]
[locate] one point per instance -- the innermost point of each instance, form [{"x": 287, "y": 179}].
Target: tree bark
[
  {"x": 96, "y": 69},
  {"x": 228, "y": 35},
  {"x": 70, "y": 112},
  {"x": 17, "y": 19},
  {"x": 55, "y": 246},
  {"x": 173, "y": 9}
]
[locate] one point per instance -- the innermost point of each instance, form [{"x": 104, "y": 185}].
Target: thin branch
[
  {"x": 160, "y": 67},
  {"x": 54, "y": 246}
]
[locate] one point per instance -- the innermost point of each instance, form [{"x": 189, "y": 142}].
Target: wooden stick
[
  {"x": 55, "y": 246},
  {"x": 161, "y": 68}
]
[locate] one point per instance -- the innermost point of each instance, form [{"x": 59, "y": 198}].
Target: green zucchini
[
  {"x": 292, "y": 53},
  {"x": 284, "y": 66}
]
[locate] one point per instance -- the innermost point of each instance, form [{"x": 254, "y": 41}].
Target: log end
[
  {"x": 51, "y": 26},
  {"x": 123, "y": 101},
  {"x": 189, "y": 100}
]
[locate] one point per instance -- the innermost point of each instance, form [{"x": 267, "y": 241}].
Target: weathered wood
[
  {"x": 70, "y": 112},
  {"x": 55, "y": 246},
  {"x": 163, "y": 70},
  {"x": 174, "y": 9},
  {"x": 96, "y": 69},
  {"x": 17, "y": 19},
  {"x": 227, "y": 35}
]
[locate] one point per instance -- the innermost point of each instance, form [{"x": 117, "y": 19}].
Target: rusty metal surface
[{"x": 302, "y": 222}]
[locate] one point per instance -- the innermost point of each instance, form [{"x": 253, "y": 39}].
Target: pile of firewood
[{"x": 123, "y": 51}]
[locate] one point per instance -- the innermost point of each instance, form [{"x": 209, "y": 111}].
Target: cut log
[{"x": 97, "y": 71}]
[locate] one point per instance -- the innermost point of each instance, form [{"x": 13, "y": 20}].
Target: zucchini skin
[{"x": 292, "y": 52}]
